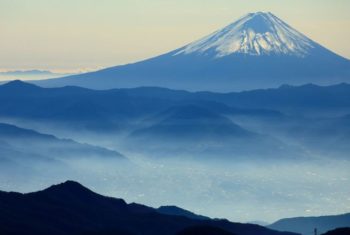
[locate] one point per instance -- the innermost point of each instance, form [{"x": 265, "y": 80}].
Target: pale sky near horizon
[{"x": 74, "y": 35}]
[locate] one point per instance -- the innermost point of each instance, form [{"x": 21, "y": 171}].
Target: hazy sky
[{"x": 65, "y": 35}]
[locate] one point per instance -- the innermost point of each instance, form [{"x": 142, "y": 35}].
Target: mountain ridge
[
  {"x": 174, "y": 210},
  {"x": 272, "y": 99},
  {"x": 47, "y": 145},
  {"x": 70, "y": 208},
  {"x": 306, "y": 224}
]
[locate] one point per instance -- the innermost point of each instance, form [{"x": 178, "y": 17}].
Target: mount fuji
[{"x": 259, "y": 50}]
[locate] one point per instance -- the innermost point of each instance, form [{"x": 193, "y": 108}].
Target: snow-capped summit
[
  {"x": 257, "y": 51},
  {"x": 253, "y": 34}
]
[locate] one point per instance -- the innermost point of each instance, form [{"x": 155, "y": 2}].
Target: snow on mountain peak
[{"x": 255, "y": 34}]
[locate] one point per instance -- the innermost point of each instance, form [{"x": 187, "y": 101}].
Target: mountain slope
[
  {"x": 192, "y": 122},
  {"x": 338, "y": 231},
  {"x": 204, "y": 230},
  {"x": 71, "y": 209},
  {"x": 306, "y": 225},
  {"x": 174, "y": 210},
  {"x": 257, "y": 51},
  {"x": 195, "y": 131},
  {"x": 254, "y": 34},
  {"x": 26, "y": 101},
  {"x": 42, "y": 146},
  {"x": 106, "y": 110}
]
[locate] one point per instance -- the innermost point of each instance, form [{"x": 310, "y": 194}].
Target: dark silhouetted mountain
[
  {"x": 174, "y": 210},
  {"x": 203, "y": 230},
  {"x": 71, "y": 209},
  {"x": 108, "y": 232},
  {"x": 338, "y": 231},
  {"x": 262, "y": 223},
  {"x": 306, "y": 225},
  {"x": 259, "y": 50},
  {"x": 23, "y": 144}
]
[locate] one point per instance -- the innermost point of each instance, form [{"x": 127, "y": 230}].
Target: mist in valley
[{"x": 227, "y": 184}]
